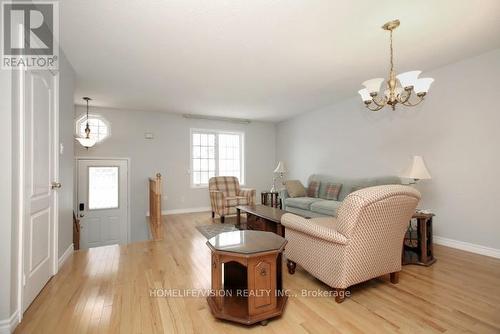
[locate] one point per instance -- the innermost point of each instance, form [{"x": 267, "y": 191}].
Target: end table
[{"x": 417, "y": 245}]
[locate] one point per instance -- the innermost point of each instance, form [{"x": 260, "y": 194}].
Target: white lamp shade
[
  {"x": 365, "y": 95},
  {"x": 417, "y": 169},
  {"x": 280, "y": 168},
  {"x": 86, "y": 142},
  {"x": 423, "y": 85},
  {"x": 373, "y": 85},
  {"x": 408, "y": 79}
]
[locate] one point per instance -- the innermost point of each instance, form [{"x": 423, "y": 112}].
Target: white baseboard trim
[
  {"x": 467, "y": 246},
  {"x": 7, "y": 326},
  {"x": 67, "y": 253},
  {"x": 189, "y": 210},
  {"x": 179, "y": 211}
]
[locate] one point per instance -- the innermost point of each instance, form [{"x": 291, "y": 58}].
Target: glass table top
[{"x": 247, "y": 242}]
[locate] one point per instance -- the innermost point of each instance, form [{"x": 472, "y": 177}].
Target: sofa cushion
[
  {"x": 295, "y": 188},
  {"x": 313, "y": 189},
  {"x": 332, "y": 191},
  {"x": 301, "y": 202},
  {"x": 325, "y": 207}
]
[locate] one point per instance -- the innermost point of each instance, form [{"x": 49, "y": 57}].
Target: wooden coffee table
[
  {"x": 261, "y": 218},
  {"x": 246, "y": 267}
]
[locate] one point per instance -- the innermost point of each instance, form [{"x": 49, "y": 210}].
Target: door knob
[{"x": 56, "y": 185}]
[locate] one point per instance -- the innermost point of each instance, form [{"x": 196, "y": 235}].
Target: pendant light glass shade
[
  {"x": 373, "y": 85},
  {"x": 86, "y": 142},
  {"x": 365, "y": 95},
  {"x": 408, "y": 79},
  {"x": 423, "y": 85}
]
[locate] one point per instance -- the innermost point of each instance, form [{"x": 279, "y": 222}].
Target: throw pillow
[
  {"x": 313, "y": 189},
  {"x": 332, "y": 191},
  {"x": 295, "y": 188}
]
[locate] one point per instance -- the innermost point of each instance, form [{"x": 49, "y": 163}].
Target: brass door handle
[{"x": 56, "y": 185}]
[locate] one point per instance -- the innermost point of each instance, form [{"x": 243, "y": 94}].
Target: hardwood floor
[{"x": 107, "y": 290}]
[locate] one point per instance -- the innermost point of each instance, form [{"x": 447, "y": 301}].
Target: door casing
[
  {"x": 19, "y": 94},
  {"x": 128, "y": 160}
]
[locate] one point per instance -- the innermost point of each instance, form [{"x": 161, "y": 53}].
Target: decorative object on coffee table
[
  {"x": 270, "y": 198},
  {"x": 418, "y": 247},
  {"x": 247, "y": 266},
  {"x": 261, "y": 218}
]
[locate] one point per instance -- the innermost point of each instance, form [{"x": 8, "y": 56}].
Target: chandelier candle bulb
[{"x": 405, "y": 88}]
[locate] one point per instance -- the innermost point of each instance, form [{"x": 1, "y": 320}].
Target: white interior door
[
  {"x": 103, "y": 202},
  {"x": 40, "y": 168}
]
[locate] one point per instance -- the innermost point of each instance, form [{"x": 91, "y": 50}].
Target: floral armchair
[
  {"x": 226, "y": 195},
  {"x": 364, "y": 241}
]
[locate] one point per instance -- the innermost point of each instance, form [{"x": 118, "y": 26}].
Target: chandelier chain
[{"x": 392, "y": 61}]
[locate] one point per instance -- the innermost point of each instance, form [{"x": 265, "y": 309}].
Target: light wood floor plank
[{"x": 107, "y": 290}]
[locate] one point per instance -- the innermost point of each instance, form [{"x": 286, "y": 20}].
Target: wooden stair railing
[{"x": 155, "y": 219}]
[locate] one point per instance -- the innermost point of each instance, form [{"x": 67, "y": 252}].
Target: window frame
[
  {"x": 83, "y": 118},
  {"x": 241, "y": 134}
]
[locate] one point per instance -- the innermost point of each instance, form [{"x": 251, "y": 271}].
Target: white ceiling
[{"x": 259, "y": 59}]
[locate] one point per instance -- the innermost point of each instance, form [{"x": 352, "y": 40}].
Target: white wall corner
[
  {"x": 67, "y": 253},
  {"x": 467, "y": 246},
  {"x": 7, "y": 326}
]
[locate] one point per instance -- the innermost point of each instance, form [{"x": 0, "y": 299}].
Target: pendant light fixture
[
  {"x": 87, "y": 141},
  {"x": 406, "y": 89}
]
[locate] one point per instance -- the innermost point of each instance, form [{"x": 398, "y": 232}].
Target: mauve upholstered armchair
[
  {"x": 364, "y": 241},
  {"x": 226, "y": 195}
]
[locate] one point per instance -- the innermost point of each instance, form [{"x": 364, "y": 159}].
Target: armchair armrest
[
  {"x": 249, "y": 193},
  {"x": 217, "y": 200},
  {"x": 315, "y": 227}
]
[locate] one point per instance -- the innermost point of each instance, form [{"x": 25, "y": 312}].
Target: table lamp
[
  {"x": 280, "y": 171},
  {"x": 417, "y": 170}
]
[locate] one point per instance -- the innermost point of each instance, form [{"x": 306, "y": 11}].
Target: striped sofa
[
  {"x": 226, "y": 195},
  {"x": 363, "y": 242}
]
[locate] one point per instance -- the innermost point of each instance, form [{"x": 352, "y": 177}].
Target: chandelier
[
  {"x": 405, "y": 88},
  {"x": 87, "y": 141}
]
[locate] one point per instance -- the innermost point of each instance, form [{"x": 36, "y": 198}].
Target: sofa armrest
[
  {"x": 249, "y": 193},
  {"x": 314, "y": 227}
]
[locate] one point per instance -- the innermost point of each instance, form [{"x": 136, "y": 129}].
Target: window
[
  {"x": 103, "y": 188},
  {"x": 99, "y": 127},
  {"x": 215, "y": 153}
]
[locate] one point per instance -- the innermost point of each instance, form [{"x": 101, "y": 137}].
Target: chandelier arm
[
  {"x": 408, "y": 103},
  {"x": 404, "y": 97},
  {"x": 376, "y": 108},
  {"x": 381, "y": 101}
]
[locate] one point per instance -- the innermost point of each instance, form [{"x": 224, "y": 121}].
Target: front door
[
  {"x": 103, "y": 202},
  {"x": 40, "y": 161}
]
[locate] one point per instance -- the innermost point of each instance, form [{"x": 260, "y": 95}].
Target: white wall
[
  {"x": 456, "y": 130},
  {"x": 66, "y": 159},
  {"x": 168, "y": 153},
  {"x": 5, "y": 194}
]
